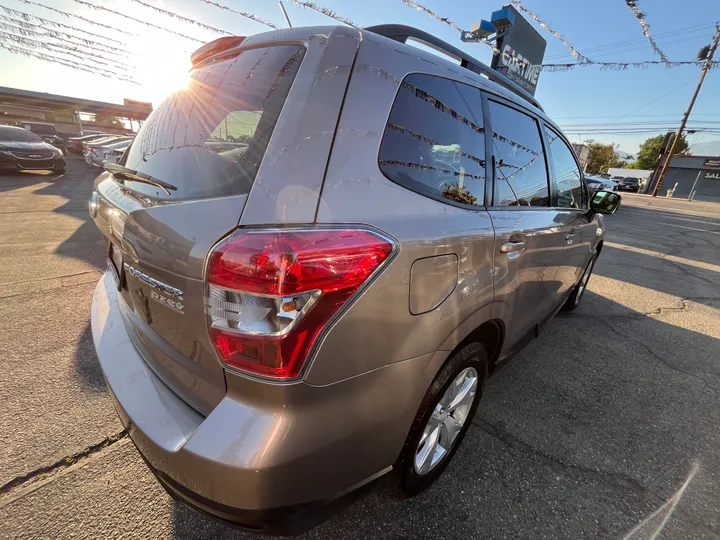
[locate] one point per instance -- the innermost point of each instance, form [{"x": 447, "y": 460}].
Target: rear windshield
[
  {"x": 44, "y": 129},
  {"x": 17, "y": 135},
  {"x": 209, "y": 138}
]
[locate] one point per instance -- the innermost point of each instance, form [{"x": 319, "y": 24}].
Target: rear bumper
[
  {"x": 94, "y": 160},
  {"x": 257, "y": 461}
]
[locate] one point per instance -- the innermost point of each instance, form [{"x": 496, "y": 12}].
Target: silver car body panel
[{"x": 252, "y": 444}]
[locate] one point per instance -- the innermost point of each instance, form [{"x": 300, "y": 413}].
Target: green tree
[
  {"x": 602, "y": 157},
  {"x": 650, "y": 151}
]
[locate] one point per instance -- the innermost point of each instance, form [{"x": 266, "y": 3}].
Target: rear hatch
[{"x": 201, "y": 151}]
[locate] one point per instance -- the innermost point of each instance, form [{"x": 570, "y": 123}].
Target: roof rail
[{"x": 401, "y": 33}]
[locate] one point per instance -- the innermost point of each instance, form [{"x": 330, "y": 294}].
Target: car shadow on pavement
[
  {"x": 12, "y": 181},
  {"x": 86, "y": 243},
  {"x": 86, "y": 363},
  {"x": 587, "y": 432},
  {"x": 684, "y": 279}
]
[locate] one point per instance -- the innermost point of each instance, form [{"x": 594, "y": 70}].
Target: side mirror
[{"x": 604, "y": 202}]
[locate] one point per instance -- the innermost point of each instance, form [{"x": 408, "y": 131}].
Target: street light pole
[{"x": 705, "y": 69}]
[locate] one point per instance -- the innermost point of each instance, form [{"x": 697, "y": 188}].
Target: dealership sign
[
  {"x": 712, "y": 163},
  {"x": 523, "y": 51}
]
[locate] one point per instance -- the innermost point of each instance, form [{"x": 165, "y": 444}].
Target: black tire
[
  {"x": 405, "y": 481},
  {"x": 574, "y": 299},
  {"x": 58, "y": 172}
]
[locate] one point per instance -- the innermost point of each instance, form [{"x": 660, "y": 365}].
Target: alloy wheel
[
  {"x": 584, "y": 281},
  {"x": 446, "y": 421}
]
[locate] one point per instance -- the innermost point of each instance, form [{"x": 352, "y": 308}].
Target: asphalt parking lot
[{"x": 606, "y": 426}]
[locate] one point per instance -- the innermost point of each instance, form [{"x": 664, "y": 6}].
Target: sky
[{"x": 582, "y": 101}]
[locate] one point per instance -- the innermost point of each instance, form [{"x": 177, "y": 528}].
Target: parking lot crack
[
  {"x": 612, "y": 478},
  {"x": 661, "y": 309},
  {"x": 659, "y": 358},
  {"x": 45, "y": 470}
]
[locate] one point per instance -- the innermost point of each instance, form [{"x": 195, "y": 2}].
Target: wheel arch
[
  {"x": 491, "y": 334},
  {"x": 481, "y": 328}
]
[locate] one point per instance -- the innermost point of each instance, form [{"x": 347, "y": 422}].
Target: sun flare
[{"x": 161, "y": 71}]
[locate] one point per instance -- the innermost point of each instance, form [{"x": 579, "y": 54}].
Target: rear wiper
[{"x": 136, "y": 176}]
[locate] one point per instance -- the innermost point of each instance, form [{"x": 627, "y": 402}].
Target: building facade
[
  {"x": 697, "y": 178},
  {"x": 582, "y": 151},
  {"x": 69, "y": 114}
]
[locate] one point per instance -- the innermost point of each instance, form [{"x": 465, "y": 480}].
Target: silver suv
[{"x": 318, "y": 252}]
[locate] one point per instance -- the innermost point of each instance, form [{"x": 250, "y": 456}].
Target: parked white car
[
  {"x": 95, "y": 152},
  {"x": 115, "y": 152},
  {"x": 595, "y": 183}
]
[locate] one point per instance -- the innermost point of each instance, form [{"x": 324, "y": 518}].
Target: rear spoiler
[{"x": 215, "y": 46}]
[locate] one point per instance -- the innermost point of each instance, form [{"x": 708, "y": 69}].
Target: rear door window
[
  {"x": 520, "y": 172},
  {"x": 567, "y": 180},
  {"x": 209, "y": 138},
  {"x": 434, "y": 141}
]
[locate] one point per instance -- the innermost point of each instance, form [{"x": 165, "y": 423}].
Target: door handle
[{"x": 509, "y": 247}]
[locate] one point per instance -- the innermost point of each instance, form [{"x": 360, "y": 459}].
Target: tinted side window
[
  {"x": 568, "y": 186},
  {"x": 520, "y": 173},
  {"x": 434, "y": 140}
]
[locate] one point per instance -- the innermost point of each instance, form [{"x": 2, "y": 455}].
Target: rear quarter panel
[
  {"x": 287, "y": 187},
  {"x": 379, "y": 328}
]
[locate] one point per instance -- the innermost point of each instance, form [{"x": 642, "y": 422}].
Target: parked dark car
[
  {"x": 47, "y": 132},
  {"x": 21, "y": 149},
  {"x": 75, "y": 144},
  {"x": 629, "y": 184}
]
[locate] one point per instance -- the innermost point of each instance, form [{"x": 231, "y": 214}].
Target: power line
[
  {"x": 14, "y": 49},
  {"x": 325, "y": 11},
  {"x": 29, "y": 29},
  {"x": 621, "y": 66},
  {"x": 89, "y": 21},
  {"x": 249, "y": 16},
  {"x": 427, "y": 11},
  {"x": 626, "y": 42},
  {"x": 706, "y": 54},
  {"x": 654, "y": 129},
  {"x": 627, "y": 49},
  {"x": 638, "y": 130},
  {"x": 580, "y": 58},
  {"x": 181, "y": 18},
  {"x": 63, "y": 49},
  {"x": 637, "y": 115},
  {"x": 683, "y": 85},
  {"x": 140, "y": 21},
  {"x": 640, "y": 16},
  {"x": 639, "y": 125},
  {"x": 28, "y": 17}
]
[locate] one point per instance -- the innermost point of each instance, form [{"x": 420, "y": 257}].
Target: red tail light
[{"x": 272, "y": 292}]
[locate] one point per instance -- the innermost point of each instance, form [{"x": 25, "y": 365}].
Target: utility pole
[{"x": 705, "y": 69}]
